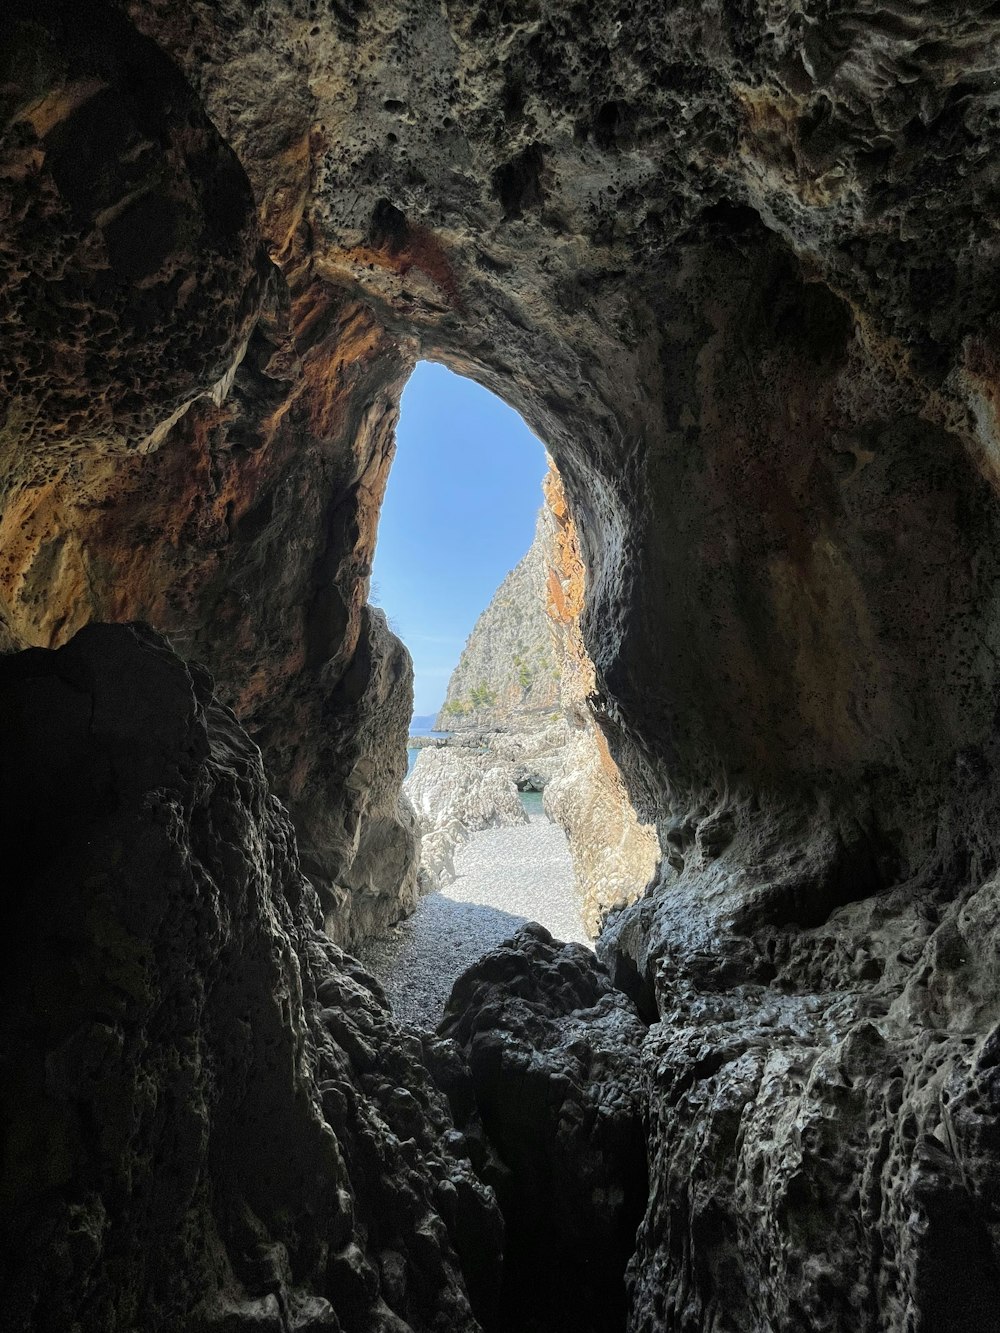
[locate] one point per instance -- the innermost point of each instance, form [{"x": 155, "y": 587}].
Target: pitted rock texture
[
  {"x": 734, "y": 263},
  {"x": 554, "y": 1051},
  {"x": 657, "y": 234},
  {"x": 507, "y": 675},
  {"x": 692, "y": 246},
  {"x": 130, "y": 242},
  {"x": 211, "y": 1121},
  {"x": 194, "y": 436},
  {"x": 824, "y": 1118}
]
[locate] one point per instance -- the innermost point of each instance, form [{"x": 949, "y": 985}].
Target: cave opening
[{"x": 472, "y": 533}]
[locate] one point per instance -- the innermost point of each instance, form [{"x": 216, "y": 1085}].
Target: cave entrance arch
[{"x": 465, "y": 568}]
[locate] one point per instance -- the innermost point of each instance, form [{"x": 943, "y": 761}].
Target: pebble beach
[{"x": 505, "y": 877}]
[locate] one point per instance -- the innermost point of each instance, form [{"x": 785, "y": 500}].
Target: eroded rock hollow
[{"x": 735, "y": 265}]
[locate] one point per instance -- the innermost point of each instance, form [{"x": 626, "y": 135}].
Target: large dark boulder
[
  {"x": 554, "y": 1054},
  {"x": 210, "y": 1119}
]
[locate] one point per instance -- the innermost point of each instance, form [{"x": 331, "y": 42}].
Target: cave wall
[
  {"x": 615, "y": 856},
  {"x": 211, "y": 1120},
  {"x": 657, "y": 235},
  {"x": 780, "y": 471},
  {"x": 735, "y": 266},
  {"x": 205, "y": 439}
]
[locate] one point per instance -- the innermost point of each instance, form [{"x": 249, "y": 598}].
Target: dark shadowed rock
[
  {"x": 211, "y": 1121},
  {"x": 823, "y": 1119},
  {"x": 736, "y": 264},
  {"x": 554, "y": 1052},
  {"x": 364, "y": 849},
  {"x": 190, "y": 432},
  {"x": 130, "y": 245}
]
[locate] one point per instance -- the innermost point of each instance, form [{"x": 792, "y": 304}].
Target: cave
[{"x": 734, "y": 265}]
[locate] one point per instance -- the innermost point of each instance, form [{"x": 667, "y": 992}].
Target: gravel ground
[{"x": 505, "y": 877}]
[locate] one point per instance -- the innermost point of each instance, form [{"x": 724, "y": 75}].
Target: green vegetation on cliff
[{"x": 506, "y": 668}]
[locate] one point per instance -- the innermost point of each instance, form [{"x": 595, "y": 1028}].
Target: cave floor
[{"x": 505, "y": 877}]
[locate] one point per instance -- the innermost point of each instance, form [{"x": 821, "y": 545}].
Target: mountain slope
[{"x": 508, "y": 670}]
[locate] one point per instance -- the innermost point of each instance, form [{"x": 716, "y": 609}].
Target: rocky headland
[
  {"x": 507, "y": 676},
  {"x": 519, "y": 706}
]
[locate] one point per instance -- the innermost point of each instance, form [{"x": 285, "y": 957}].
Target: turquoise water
[{"x": 531, "y": 800}]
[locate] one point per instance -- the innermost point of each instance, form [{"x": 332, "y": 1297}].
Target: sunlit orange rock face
[{"x": 614, "y": 854}]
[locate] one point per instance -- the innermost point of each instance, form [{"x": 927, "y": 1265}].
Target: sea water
[{"x": 531, "y": 800}]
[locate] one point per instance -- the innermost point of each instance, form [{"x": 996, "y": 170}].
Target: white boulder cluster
[{"x": 455, "y": 792}]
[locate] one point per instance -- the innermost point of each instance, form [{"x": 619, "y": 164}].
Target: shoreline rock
[{"x": 454, "y": 793}]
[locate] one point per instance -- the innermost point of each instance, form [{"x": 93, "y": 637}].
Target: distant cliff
[{"x": 508, "y": 671}]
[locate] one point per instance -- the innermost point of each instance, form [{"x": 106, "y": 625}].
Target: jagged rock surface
[
  {"x": 614, "y": 856},
  {"x": 554, "y": 1053},
  {"x": 211, "y": 1121},
  {"x": 734, "y": 263},
  {"x": 195, "y": 434},
  {"x": 532, "y": 753},
  {"x": 824, "y": 1110},
  {"x": 454, "y": 792},
  {"x": 454, "y": 784},
  {"x": 372, "y": 831},
  {"x": 507, "y": 675}
]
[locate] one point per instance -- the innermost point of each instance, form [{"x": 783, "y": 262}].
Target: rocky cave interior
[{"x": 735, "y": 264}]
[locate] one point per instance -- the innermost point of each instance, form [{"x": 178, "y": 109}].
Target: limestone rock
[
  {"x": 735, "y": 264},
  {"x": 195, "y": 435},
  {"x": 554, "y": 1053},
  {"x": 614, "y": 856},
  {"x": 130, "y": 246},
  {"x": 371, "y": 833},
  {"x": 211, "y": 1120},
  {"x": 454, "y": 792},
  {"x": 453, "y": 784},
  {"x": 507, "y": 674},
  {"x": 438, "y": 845},
  {"x": 534, "y": 752},
  {"x": 823, "y": 1110},
  {"x": 561, "y": 752},
  {"x": 614, "y": 853}
]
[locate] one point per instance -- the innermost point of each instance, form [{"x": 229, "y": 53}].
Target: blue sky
[{"x": 459, "y": 513}]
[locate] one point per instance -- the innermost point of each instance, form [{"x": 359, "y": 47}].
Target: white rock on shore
[{"x": 455, "y": 792}]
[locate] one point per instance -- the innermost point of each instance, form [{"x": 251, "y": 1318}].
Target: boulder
[
  {"x": 555, "y": 1057},
  {"x": 455, "y": 792},
  {"x": 371, "y": 834}
]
